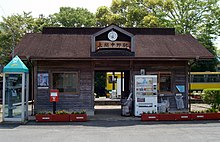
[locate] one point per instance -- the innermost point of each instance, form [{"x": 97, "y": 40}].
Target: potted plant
[
  {"x": 210, "y": 114},
  {"x": 61, "y": 116},
  {"x": 78, "y": 116},
  {"x": 43, "y": 117}
]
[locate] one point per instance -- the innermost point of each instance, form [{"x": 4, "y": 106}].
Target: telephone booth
[{"x": 15, "y": 91}]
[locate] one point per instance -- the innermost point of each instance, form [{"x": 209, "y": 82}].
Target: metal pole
[
  {"x": 189, "y": 88},
  {"x": 4, "y": 93},
  {"x": 113, "y": 81},
  {"x": 54, "y": 107},
  {"x": 189, "y": 92}
]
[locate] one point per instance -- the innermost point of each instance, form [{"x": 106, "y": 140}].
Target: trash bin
[
  {"x": 163, "y": 106},
  {"x": 179, "y": 101},
  {"x": 127, "y": 106}
]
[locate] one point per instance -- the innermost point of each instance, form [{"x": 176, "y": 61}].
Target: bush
[
  {"x": 61, "y": 112},
  {"x": 212, "y": 97}
]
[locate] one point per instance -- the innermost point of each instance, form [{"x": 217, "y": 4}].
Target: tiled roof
[
  {"x": 78, "y": 46},
  {"x": 169, "y": 46}
]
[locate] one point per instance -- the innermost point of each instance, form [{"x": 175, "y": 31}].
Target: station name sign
[{"x": 115, "y": 44}]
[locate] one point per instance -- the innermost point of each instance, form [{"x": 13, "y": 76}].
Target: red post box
[{"x": 54, "y": 95}]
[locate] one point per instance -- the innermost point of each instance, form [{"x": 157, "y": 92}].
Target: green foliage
[
  {"x": 11, "y": 31},
  {"x": 150, "y": 21},
  {"x": 13, "y": 28},
  {"x": 61, "y": 112},
  {"x": 212, "y": 97},
  {"x": 71, "y": 17},
  {"x": 81, "y": 112},
  {"x": 212, "y": 110},
  {"x": 45, "y": 112},
  {"x": 100, "y": 83},
  {"x": 132, "y": 13},
  {"x": 103, "y": 16},
  {"x": 197, "y": 17}
]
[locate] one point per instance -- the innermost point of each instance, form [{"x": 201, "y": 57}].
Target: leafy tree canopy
[
  {"x": 71, "y": 17},
  {"x": 14, "y": 27},
  {"x": 197, "y": 17}
]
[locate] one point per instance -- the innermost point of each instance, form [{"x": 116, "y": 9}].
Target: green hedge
[{"x": 212, "y": 96}]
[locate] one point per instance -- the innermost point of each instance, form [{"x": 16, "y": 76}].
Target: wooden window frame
[
  {"x": 158, "y": 81},
  {"x": 66, "y": 72}
]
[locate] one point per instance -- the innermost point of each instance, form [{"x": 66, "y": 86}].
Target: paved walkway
[{"x": 113, "y": 112}]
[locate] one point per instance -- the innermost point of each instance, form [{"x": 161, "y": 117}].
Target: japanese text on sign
[{"x": 116, "y": 44}]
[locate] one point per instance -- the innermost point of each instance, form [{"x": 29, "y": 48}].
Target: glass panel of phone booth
[{"x": 13, "y": 96}]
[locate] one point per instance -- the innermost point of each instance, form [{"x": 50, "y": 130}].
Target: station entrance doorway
[{"x": 111, "y": 90}]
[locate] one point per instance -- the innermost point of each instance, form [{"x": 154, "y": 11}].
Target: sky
[{"x": 47, "y": 7}]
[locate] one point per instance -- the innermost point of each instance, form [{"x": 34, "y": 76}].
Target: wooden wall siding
[
  {"x": 84, "y": 100},
  {"x": 43, "y": 101},
  {"x": 178, "y": 76},
  {"x": 64, "y": 65},
  {"x": 112, "y": 65}
]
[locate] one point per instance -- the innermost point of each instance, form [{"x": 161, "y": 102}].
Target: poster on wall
[
  {"x": 43, "y": 80},
  {"x": 180, "y": 88}
]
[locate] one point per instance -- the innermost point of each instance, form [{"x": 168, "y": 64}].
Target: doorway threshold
[{"x": 111, "y": 113}]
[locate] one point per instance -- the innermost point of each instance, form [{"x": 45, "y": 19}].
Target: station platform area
[
  {"x": 113, "y": 112},
  {"x": 107, "y": 101}
]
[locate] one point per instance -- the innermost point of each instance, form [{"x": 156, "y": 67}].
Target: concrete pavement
[
  {"x": 113, "y": 112},
  {"x": 112, "y": 131},
  {"x": 110, "y": 126}
]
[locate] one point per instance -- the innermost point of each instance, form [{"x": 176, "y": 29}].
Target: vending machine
[{"x": 145, "y": 94}]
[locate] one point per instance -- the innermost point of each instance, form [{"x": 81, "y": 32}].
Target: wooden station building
[{"x": 67, "y": 59}]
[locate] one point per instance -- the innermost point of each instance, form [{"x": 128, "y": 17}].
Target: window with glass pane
[
  {"x": 165, "y": 82},
  {"x": 13, "y": 95},
  {"x": 213, "y": 78},
  {"x": 198, "y": 78},
  {"x": 65, "y": 82}
]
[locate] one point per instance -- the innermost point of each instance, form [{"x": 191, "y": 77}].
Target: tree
[
  {"x": 103, "y": 16},
  {"x": 197, "y": 17},
  {"x": 133, "y": 13},
  {"x": 71, "y": 17},
  {"x": 43, "y": 21},
  {"x": 14, "y": 27},
  {"x": 11, "y": 31},
  {"x": 201, "y": 19},
  {"x": 100, "y": 83}
]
